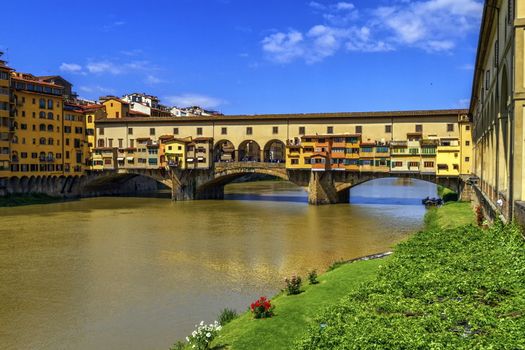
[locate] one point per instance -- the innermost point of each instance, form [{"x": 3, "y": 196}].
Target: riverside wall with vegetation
[{"x": 451, "y": 286}]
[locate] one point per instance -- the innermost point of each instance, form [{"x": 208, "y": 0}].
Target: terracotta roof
[
  {"x": 301, "y": 116},
  {"x": 34, "y": 81}
]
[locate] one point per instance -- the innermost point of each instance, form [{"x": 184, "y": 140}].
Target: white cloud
[
  {"x": 430, "y": 25},
  {"x": 344, "y": 6},
  {"x": 433, "y": 25},
  {"x": 104, "y": 67},
  {"x": 187, "y": 100},
  {"x": 152, "y": 80},
  {"x": 71, "y": 68},
  {"x": 284, "y": 47}
]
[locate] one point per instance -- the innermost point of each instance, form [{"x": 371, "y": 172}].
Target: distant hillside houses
[{"x": 144, "y": 105}]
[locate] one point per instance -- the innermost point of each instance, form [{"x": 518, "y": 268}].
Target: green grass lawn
[
  {"x": 447, "y": 287},
  {"x": 293, "y": 314},
  {"x": 450, "y": 215}
]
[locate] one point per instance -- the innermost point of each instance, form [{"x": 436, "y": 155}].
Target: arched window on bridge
[
  {"x": 274, "y": 152},
  {"x": 249, "y": 151},
  {"x": 224, "y": 151}
]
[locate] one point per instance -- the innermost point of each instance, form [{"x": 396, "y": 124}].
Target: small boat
[{"x": 432, "y": 202}]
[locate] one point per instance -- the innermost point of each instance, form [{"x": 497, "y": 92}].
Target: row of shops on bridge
[
  {"x": 339, "y": 152},
  {"x": 348, "y": 152}
]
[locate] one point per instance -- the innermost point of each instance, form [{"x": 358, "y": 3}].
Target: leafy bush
[
  {"x": 226, "y": 316},
  {"x": 202, "y": 337},
  {"x": 480, "y": 218},
  {"x": 262, "y": 308},
  {"x": 312, "y": 277},
  {"x": 178, "y": 346},
  {"x": 293, "y": 285},
  {"x": 462, "y": 288}
]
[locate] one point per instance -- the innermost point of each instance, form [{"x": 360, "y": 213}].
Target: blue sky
[{"x": 254, "y": 56}]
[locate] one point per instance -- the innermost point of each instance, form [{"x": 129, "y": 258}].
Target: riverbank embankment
[{"x": 452, "y": 285}]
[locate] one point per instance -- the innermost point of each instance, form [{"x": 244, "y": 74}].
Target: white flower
[
  {"x": 208, "y": 335},
  {"x": 202, "y": 323},
  {"x": 187, "y": 339}
]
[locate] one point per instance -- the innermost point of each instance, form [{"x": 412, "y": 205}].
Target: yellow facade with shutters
[{"x": 36, "y": 144}]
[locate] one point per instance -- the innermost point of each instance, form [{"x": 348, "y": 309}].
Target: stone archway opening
[
  {"x": 275, "y": 152},
  {"x": 249, "y": 151},
  {"x": 224, "y": 151}
]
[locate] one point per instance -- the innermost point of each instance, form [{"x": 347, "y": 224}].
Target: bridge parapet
[{"x": 222, "y": 166}]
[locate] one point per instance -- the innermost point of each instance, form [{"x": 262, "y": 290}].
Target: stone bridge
[{"x": 323, "y": 187}]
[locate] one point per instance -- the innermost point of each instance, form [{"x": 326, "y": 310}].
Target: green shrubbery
[
  {"x": 226, "y": 316},
  {"x": 293, "y": 285},
  {"x": 312, "y": 277},
  {"x": 462, "y": 288}
]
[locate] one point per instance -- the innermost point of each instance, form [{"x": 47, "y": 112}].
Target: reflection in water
[{"x": 138, "y": 273}]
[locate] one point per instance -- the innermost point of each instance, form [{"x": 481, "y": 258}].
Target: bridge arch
[
  {"x": 224, "y": 151},
  {"x": 275, "y": 151},
  {"x": 249, "y": 151},
  {"x": 228, "y": 172},
  {"x": 448, "y": 182}
]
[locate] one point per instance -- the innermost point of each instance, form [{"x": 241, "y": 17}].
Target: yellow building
[
  {"x": 115, "y": 107},
  {"x": 36, "y": 145},
  {"x": 465, "y": 138},
  {"x": 5, "y": 119},
  {"x": 92, "y": 112},
  {"x": 76, "y": 150},
  {"x": 448, "y": 157},
  {"x": 175, "y": 152}
]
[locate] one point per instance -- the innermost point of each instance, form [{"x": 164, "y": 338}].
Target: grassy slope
[
  {"x": 454, "y": 288},
  {"x": 294, "y": 313},
  {"x": 450, "y": 215}
]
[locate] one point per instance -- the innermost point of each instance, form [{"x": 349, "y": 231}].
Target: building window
[
  {"x": 130, "y": 131},
  {"x": 467, "y": 143},
  {"x": 110, "y": 142},
  {"x": 388, "y": 129},
  {"x": 249, "y": 130},
  {"x": 131, "y": 143},
  {"x": 224, "y": 131},
  {"x": 467, "y": 127},
  {"x": 275, "y": 130},
  {"x": 450, "y": 127},
  {"x": 329, "y": 129},
  {"x": 49, "y": 104},
  {"x": 428, "y": 164},
  {"x": 151, "y": 132},
  {"x": 100, "y": 143},
  {"x": 175, "y": 131},
  {"x": 358, "y": 129},
  {"x": 42, "y": 103},
  {"x": 302, "y": 130},
  {"x": 467, "y": 159},
  {"x": 199, "y": 131},
  {"x": 487, "y": 80},
  {"x": 117, "y": 114},
  {"x": 120, "y": 143},
  {"x": 419, "y": 128}
]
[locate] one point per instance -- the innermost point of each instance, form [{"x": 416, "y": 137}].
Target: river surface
[{"x": 139, "y": 273}]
